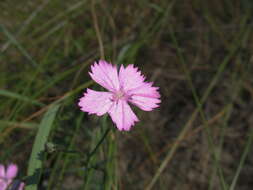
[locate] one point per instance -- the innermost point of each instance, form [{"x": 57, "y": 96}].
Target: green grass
[{"x": 198, "y": 53}]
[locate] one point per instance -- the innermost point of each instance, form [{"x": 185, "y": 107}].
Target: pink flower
[
  {"x": 7, "y": 176},
  {"x": 125, "y": 86}
]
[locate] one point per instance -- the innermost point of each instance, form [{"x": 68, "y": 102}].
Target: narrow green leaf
[
  {"x": 18, "y": 45},
  {"x": 242, "y": 161},
  {"x": 19, "y": 97},
  {"x": 35, "y": 162},
  {"x": 25, "y": 125}
]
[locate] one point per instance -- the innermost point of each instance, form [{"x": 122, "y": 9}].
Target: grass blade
[
  {"x": 242, "y": 161},
  {"x": 19, "y": 97},
  {"x": 35, "y": 162},
  {"x": 18, "y": 45},
  {"x": 168, "y": 157}
]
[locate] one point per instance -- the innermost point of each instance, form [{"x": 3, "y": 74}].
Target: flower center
[{"x": 119, "y": 95}]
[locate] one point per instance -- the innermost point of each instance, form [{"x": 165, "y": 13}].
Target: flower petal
[
  {"x": 130, "y": 77},
  {"x": 95, "y": 102},
  {"x": 21, "y": 186},
  {"x": 105, "y": 74},
  {"x": 122, "y": 115},
  {"x": 145, "y": 97},
  {"x": 12, "y": 171},
  {"x": 3, "y": 184},
  {"x": 2, "y": 171}
]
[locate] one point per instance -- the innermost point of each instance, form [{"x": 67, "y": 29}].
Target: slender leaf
[
  {"x": 35, "y": 162},
  {"x": 19, "y": 97}
]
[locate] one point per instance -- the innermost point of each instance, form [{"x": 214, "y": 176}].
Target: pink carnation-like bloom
[
  {"x": 7, "y": 176},
  {"x": 125, "y": 86}
]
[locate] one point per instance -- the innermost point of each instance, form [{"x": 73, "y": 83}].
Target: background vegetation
[{"x": 198, "y": 52}]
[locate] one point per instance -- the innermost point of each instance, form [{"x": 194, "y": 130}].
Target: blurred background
[{"x": 198, "y": 52}]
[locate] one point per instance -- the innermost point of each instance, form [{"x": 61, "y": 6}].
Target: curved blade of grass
[
  {"x": 18, "y": 45},
  {"x": 67, "y": 158},
  {"x": 35, "y": 162},
  {"x": 19, "y": 97},
  {"x": 26, "y": 23},
  {"x": 25, "y": 125},
  {"x": 242, "y": 160},
  {"x": 71, "y": 9},
  {"x": 238, "y": 78},
  {"x": 168, "y": 157}
]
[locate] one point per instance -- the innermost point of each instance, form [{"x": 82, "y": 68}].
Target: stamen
[{"x": 119, "y": 95}]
